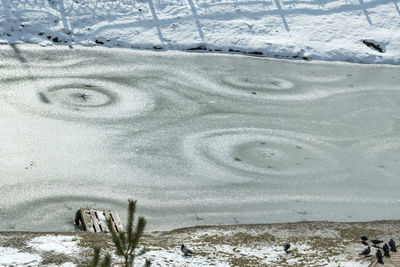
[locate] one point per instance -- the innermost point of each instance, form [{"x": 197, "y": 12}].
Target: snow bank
[
  {"x": 60, "y": 244},
  {"x": 299, "y": 29},
  {"x": 12, "y": 257}
]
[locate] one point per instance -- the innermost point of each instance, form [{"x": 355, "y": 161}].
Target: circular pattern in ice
[
  {"x": 78, "y": 98},
  {"x": 270, "y": 87},
  {"x": 255, "y": 151},
  {"x": 383, "y": 153},
  {"x": 264, "y": 83}
]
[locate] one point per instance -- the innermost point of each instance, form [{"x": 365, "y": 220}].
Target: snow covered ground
[
  {"x": 312, "y": 244},
  {"x": 301, "y": 29}
]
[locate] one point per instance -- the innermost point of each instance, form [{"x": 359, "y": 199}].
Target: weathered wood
[
  {"x": 95, "y": 220},
  {"x": 86, "y": 221},
  {"x": 117, "y": 221},
  {"x": 102, "y": 220},
  {"x": 109, "y": 216}
]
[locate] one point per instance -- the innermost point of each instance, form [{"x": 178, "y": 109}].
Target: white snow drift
[{"x": 301, "y": 29}]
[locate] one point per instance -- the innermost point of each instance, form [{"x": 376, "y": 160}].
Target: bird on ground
[
  {"x": 186, "y": 251},
  {"x": 286, "y": 247},
  {"x": 366, "y": 251},
  {"x": 379, "y": 256},
  {"x": 376, "y": 241},
  {"x": 392, "y": 246},
  {"x": 363, "y": 238},
  {"x": 386, "y": 251},
  {"x": 365, "y": 243}
]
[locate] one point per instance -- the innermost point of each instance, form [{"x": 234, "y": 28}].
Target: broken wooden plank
[
  {"x": 86, "y": 221},
  {"x": 117, "y": 221},
  {"x": 102, "y": 220},
  {"x": 95, "y": 221},
  {"x": 108, "y": 216}
]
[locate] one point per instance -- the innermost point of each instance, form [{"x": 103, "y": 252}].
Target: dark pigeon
[
  {"x": 186, "y": 251},
  {"x": 286, "y": 247},
  {"x": 366, "y": 251},
  {"x": 379, "y": 256},
  {"x": 392, "y": 246},
  {"x": 376, "y": 241},
  {"x": 365, "y": 243},
  {"x": 386, "y": 251},
  {"x": 364, "y": 238}
]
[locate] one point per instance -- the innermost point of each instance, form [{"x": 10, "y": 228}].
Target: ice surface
[{"x": 195, "y": 138}]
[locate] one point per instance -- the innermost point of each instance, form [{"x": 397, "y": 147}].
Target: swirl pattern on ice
[
  {"x": 383, "y": 154},
  {"x": 271, "y": 87},
  {"x": 74, "y": 98},
  {"x": 256, "y": 152},
  {"x": 264, "y": 83},
  {"x": 129, "y": 93}
]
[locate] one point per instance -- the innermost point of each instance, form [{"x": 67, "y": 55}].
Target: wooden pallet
[
  {"x": 95, "y": 220},
  {"x": 394, "y": 260}
]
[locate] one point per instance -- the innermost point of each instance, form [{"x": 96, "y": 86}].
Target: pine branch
[
  {"x": 138, "y": 233},
  {"x": 147, "y": 263},
  {"x": 106, "y": 261},
  {"x": 131, "y": 214},
  {"x": 122, "y": 237},
  {"x": 96, "y": 257},
  {"x": 115, "y": 238},
  {"x": 126, "y": 243},
  {"x": 131, "y": 260}
]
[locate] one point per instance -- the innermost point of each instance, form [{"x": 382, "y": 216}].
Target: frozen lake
[{"x": 195, "y": 138}]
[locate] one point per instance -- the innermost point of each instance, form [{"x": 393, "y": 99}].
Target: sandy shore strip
[{"x": 312, "y": 244}]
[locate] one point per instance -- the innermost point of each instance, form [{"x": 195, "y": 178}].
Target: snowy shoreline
[
  {"x": 334, "y": 30},
  {"x": 312, "y": 244}
]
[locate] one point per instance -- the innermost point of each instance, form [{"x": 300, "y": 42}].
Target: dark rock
[
  {"x": 373, "y": 45},
  {"x": 255, "y": 53},
  {"x": 200, "y": 47},
  {"x": 43, "y": 98}
]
